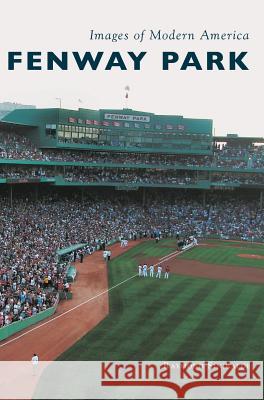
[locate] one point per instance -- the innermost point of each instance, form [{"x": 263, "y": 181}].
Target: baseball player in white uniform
[
  {"x": 105, "y": 253},
  {"x": 145, "y": 270},
  {"x": 35, "y": 361},
  {"x": 158, "y": 274},
  {"x": 151, "y": 271},
  {"x": 140, "y": 270}
]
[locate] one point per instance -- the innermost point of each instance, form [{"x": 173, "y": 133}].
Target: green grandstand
[{"x": 184, "y": 147}]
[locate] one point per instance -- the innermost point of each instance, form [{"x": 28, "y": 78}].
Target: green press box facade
[{"x": 119, "y": 130}]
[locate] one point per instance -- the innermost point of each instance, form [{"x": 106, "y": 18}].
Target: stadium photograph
[
  {"x": 127, "y": 235},
  {"x": 131, "y": 200}
]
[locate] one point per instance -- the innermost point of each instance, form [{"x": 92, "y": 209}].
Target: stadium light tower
[
  {"x": 80, "y": 103},
  {"x": 127, "y": 89},
  {"x": 59, "y": 99}
]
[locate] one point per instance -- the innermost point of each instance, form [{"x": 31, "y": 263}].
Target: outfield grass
[
  {"x": 235, "y": 243},
  {"x": 224, "y": 253},
  {"x": 182, "y": 318}
]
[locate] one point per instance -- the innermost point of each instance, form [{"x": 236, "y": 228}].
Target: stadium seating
[{"x": 54, "y": 198}]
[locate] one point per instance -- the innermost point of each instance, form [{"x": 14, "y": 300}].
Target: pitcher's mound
[{"x": 255, "y": 256}]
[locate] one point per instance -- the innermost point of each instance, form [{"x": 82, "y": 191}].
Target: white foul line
[
  {"x": 175, "y": 252},
  {"x": 166, "y": 258}
]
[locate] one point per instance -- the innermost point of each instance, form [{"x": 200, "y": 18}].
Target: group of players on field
[{"x": 144, "y": 271}]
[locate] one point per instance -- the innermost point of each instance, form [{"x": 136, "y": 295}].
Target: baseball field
[{"x": 211, "y": 307}]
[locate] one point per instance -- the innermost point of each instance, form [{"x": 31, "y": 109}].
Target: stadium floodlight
[
  {"x": 127, "y": 89},
  {"x": 59, "y": 98}
]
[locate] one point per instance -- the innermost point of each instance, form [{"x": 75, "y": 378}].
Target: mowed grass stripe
[
  {"x": 153, "y": 318},
  {"x": 134, "y": 251},
  {"x": 100, "y": 343},
  {"x": 207, "y": 254},
  {"x": 147, "y": 247},
  {"x": 235, "y": 244},
  {"x": 120, "y": 269},
  {"x": 143, "y": 321},
  {"x": 164, "y": 247},
  {"x": 225, "y": 256},
  {"x": 177, "y": 315},
  {"x": 130, "y": 321},
  {"x": 122, "y": 272},
  {"x": 217, "y": 337},
  {"x": 137, "y": 312},
  {"x": 237, "y": 338},
  {"x": 208, "y": 323},
  {"x": 188, "y": 324},
  {"x": 254, "y": 348}
]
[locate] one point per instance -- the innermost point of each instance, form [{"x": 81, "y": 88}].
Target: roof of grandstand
[
  {"x": 5, "y": 124},
  {"x": 235, "y": 138}
]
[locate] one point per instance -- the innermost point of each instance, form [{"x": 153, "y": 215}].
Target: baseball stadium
[{"x": 90, "y": 198}]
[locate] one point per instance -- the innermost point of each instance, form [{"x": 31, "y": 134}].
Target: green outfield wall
[{"x": 18, "y": 326}]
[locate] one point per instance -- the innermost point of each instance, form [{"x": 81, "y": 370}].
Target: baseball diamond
[
  {"x": 127, "y": 235},
  {"x": 194, "y": 314}
]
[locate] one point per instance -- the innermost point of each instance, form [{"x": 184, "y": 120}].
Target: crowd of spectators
[
  {"x": 236, "y": 218},
  {"x": 26, "y": 172},
  {"x": 238, "y": 178},
  {"x": 32, "y": 232},
  {"x": 127, "y": 158},
  {"x": 16, "y": 146},
  {"x": 247, "y": 156},
  {"x": 129, "y": 176}
]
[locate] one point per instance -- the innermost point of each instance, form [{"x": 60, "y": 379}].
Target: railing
[{"x": 131, "y": 165}]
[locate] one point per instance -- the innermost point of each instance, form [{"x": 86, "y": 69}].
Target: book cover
[{"x": 131, "y": 200}]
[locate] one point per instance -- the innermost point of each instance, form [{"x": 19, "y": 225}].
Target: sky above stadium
[{"x": 233, "y": 99}]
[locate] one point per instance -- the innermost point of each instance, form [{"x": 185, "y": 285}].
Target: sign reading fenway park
[
  {"x": 127, "y": 117},
  {"x": 132, "y": 380}
]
